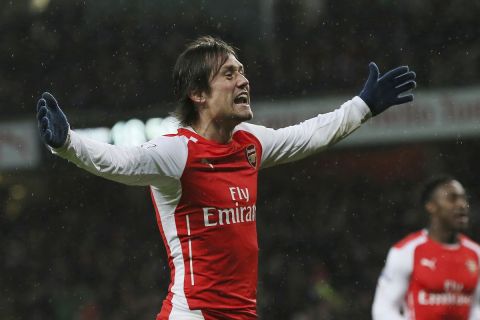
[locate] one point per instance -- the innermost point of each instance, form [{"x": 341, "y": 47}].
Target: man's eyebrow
[{"x": 231, "y": 67}]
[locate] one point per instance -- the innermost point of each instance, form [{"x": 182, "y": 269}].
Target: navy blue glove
[
  {"x": 382, "y": 93},
  {"x": 52, "y": 122}
]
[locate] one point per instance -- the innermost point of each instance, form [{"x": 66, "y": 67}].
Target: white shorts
[
  {"x": 176, "y": 314},
  {"x": 171, "y": 312}
]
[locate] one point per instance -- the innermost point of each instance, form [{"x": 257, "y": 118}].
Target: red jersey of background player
[{"x": 429, "y": 280}]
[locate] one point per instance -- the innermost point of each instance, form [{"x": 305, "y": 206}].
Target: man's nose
[
  {"x": 463, "y": 203},
  {"x": 242, "y": 81}
]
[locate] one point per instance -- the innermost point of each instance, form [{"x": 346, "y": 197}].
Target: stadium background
[{"x": 74, "y": 246}]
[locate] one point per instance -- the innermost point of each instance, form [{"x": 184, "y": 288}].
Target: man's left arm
[
  {"x": 299, "y": 141},
  {"x": 475, "y": 301},
  {"x": 475, "y": 310}
]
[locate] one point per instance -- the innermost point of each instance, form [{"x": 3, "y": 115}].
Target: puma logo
[
  {"x": 428, "y": 263},
  {"x": 205, "y": 161}
]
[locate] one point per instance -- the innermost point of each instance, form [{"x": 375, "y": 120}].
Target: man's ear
[
  {"x": 430, "y": 207},
  {"x": 197, "y": 96}
]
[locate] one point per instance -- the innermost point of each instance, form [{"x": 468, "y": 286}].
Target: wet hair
[
  {"x": 195, "y": 67},
  {"x": 431, "y": 186}
]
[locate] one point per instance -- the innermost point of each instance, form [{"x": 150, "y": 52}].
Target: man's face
[
  {"x": 449, "y": 205},
  {"x": 229, "y": 98}
]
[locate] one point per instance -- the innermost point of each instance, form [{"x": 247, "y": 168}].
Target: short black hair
[
  {"x": 195, "y": 67},
  {"x": 431, "y": 186}
]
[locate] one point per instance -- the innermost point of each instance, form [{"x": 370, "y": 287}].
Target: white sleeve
[
  {"x": 475, "y": 306},
  {"x": 301, "y": 140},
  {"x": 475, "y": 311},
  {"x": 164, "y": 157},
  {"x": 392, "y": 286}
]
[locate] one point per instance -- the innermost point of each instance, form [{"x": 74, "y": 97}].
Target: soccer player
[
  {"x": 433, "y": 273},
  {"x": 203, "y": 179}
]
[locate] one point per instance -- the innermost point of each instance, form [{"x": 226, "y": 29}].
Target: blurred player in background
[
  {"x": 203, "y": 179},
  {"x": 433, "y": 273}
]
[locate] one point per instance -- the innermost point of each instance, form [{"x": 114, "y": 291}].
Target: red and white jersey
[
  {"x": 426, "y": 280},
  {"x": 205, "y": 197}
]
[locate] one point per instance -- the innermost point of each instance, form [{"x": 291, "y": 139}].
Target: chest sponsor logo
[
  {"x": 239, "y": 214},
  {"x": 471, "y": 265},
  {"x": 251, "y": 154},
  {"x": 443, "y": 299},
  {"x": 241, "y": 211},
  {"x": 453, "y": 295},
  {"x": 429, "y": 263}
]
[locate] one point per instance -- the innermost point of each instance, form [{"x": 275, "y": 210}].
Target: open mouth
[
  {"x": 462, "y": 217},
  {"x": 242, "y": 98}
]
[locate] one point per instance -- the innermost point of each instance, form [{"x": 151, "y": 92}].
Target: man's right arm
[
  {"x": 392, "y": 286},
  {"x": 162, "y": 158},
  {"x": 143, "y": 165}
]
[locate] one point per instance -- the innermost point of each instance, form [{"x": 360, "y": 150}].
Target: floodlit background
[{"x": 74, "y": 246}]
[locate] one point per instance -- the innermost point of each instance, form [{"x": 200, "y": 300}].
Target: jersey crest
[
  {"x": 471, "y": 265},
  {"x": 251, "y": 154}
]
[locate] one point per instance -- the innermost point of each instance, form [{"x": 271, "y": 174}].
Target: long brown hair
[{"x": 195, "y": 67}]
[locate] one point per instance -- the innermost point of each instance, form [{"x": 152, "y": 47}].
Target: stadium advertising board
[
  {"x": 19, "y": 145},
  {"x": 440, "y": 114}
]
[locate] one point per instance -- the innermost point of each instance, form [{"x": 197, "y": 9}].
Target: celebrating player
[
  {"x": 203, "y": 179},
  {"x": 433, "y": 274}
]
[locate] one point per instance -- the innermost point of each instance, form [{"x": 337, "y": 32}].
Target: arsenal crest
[
  {"x": 251, "y": 153},
  {"x": 471, "y": 266}
]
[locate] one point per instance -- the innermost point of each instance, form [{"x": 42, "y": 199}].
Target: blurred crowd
[
  {"x": 86, "y": 248},
  {"x": 118, "y": 55}
]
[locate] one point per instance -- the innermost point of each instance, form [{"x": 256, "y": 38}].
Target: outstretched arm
[
  {"x": 145, "y": 165},
  {"x": 392, "y": 287},
  {"x": 299, "y": 141}
]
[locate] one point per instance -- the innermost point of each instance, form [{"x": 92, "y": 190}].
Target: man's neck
[
  {"x": 218, "y": 132},
  {"x": 442, "y": 235}
]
